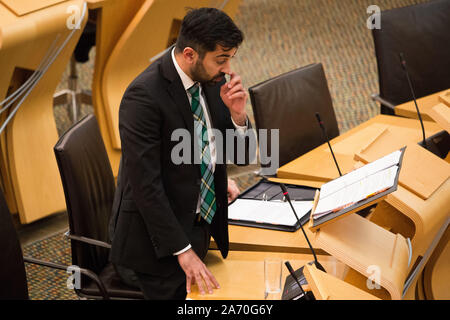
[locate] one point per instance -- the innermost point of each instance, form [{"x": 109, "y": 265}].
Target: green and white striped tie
[{"x": 207, "y": 192}]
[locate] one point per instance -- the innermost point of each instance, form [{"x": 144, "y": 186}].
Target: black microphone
[
  {"x": 291, "y": 271},
  {"x": 324, "y": 131},
  {"x": 288, "y": 198},
  {"x": 403, "y": 63}
]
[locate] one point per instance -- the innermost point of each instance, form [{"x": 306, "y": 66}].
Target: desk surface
[
  {"x": 318, "y": 164},
  {"x": 241, "y": 274},
  {"x": 255, "y": 239},
  {"x": 408, "y": 109}
]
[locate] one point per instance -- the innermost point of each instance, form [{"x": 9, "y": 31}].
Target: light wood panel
[
  {"x": 368, "y": 248},
  {"x": 241, "y": 274},
  {"x": 113, "y": 17},
  {"x": 327, "y": 287},
  {"x": 445, "y": 98},
  {"x": 436, "y": 272},
  {"x": 441, "y": 114},
  {"x": 28, "y": 162},
  {"x": 298, "y": 182},
  {"x": 22, "y": 7},
  {"x": 256, "y": 239},
  {"x": 318, "y": 164},
  {"x": 421, "y": 173},
  {"x": 425, "y": 104}
]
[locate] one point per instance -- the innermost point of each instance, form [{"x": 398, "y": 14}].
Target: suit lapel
[
  {"x": 176, "y": 91},
  {"x": 179, "y": 96}
]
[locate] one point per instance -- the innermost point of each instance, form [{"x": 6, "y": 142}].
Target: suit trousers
[{"x": 173, "y": 286}]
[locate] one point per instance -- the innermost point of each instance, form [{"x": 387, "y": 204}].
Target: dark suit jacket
[{"x": 156, "y": 201}]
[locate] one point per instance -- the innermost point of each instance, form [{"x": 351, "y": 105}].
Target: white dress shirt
[{"x": 187, "y": 83}]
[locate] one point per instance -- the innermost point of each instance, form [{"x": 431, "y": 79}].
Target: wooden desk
[
  {"x": 318, "y": 164},
  {"x": 403, "y": 211},
  {"x": 255, "y": 239},
  {"x": 241, "y": 274},
  {"x": 408, "y": 109}
]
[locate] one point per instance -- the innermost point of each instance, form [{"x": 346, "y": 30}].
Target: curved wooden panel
[
  {"x": 29, "y": 138},
  {"x": 113, "y": 17},
  {"x": 369, "y": 250}
]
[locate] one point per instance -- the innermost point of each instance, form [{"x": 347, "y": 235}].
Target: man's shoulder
[{"x": 150, "y": 78}]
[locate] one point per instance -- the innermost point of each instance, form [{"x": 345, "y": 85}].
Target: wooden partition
[
  {"x": 373, "y": 252},
  {"x": 441, "y": 114},
  {"x": 29, "y": 30},
  {"x": 425, "y": 104},
  {"x": 327, "y": 287}
]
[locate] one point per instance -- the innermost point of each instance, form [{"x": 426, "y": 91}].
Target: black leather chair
[
  {"x": 89, "y": 188},
  {"x": 421, "y": 33},
  {"x": 13, "y": 279},
  {"x": 289, "y": 102}
]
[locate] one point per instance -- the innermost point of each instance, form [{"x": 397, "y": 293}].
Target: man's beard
[{"x": 199, "y": 74}]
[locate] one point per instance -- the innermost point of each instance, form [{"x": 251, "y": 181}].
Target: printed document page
[
  {"x": 357, "y": 191},
  {"x": 358, "y": 185},
  {"x": 358, "y": 174},
  {"x": 273, "y": 212}
]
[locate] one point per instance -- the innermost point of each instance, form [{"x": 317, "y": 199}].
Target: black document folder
[{"x": 265, "y": 190}]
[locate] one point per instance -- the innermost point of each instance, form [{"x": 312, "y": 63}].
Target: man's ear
[{"x": 189, "y": 54}]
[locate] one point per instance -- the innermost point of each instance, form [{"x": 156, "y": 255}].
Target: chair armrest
[
  {"x": 384, "y": 102},
  {"x": 45, "y": 263},
  {"x": 87, "y": 240},
  {"x": 86, "y": 272}
]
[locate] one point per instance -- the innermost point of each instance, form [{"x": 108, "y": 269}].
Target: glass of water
[{"x": 272, "y": 278}]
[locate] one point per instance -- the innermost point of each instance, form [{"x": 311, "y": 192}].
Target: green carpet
[{"x": 280, "y": 35}]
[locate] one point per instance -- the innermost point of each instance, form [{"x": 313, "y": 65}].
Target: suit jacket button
[{"x": 155, "y": 242}]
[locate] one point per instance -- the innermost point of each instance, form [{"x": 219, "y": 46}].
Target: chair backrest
[
  {"x": 13, "y": 279},
  {"x": 421, "y": 33},
  {"x": 289, "y": 102},
  {"x": 89, "y": 188}
]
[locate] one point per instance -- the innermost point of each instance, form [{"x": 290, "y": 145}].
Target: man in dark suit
[{"x": 165, "y": 210}]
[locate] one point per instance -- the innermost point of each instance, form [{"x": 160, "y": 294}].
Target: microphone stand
[
  {"x": 324, "y": 131},
  {"x": 403, "y": 63},
  {"x": 286, "y": 194}
]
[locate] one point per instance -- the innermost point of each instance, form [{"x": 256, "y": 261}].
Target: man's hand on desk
[
  {"x": 196, "y": 272},
  {"x": 233, "y": 190}
]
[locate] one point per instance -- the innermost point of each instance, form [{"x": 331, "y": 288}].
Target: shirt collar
[{"x": 185, "y": 79}]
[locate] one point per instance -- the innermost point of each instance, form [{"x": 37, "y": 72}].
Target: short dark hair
[{"x": 204, "y": 28}]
